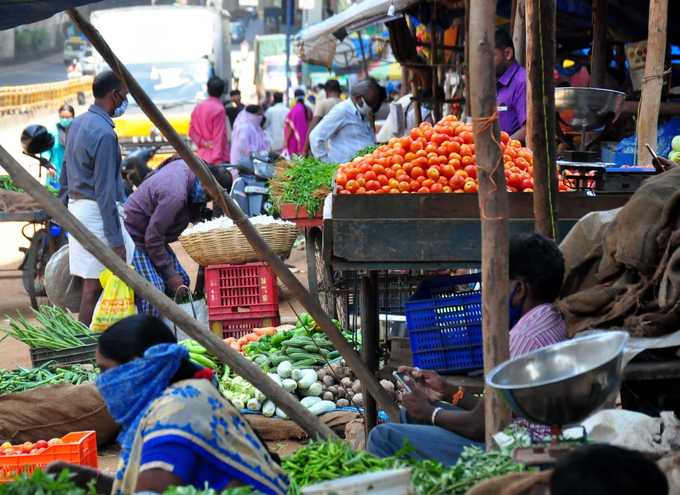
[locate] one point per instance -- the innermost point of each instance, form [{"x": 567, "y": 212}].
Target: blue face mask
[
  {"x": 198, "y": 194},
  {"x": 120, "y": 109},
  {"x": 65, "y": 122},
  {"x": 515, "y": 311}
]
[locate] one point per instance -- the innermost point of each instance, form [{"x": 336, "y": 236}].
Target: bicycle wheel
[{"x": 34, "y": 266}]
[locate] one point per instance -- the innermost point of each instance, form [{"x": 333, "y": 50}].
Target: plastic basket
[
  {"x": 444, "y": 320},
  {"x": 83, "y": 354},
  {"x": 240, "y": 289},
  {"x": 78, "y": 448},
  {"x": 241, "y": 325}
]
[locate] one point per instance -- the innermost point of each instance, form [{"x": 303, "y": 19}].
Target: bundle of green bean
[
  {"x": 58, "y": 330},
  {"x": 21, "y": 379}
]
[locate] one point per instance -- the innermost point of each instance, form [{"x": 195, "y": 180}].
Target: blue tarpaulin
[{"x": 17, "y": 12}]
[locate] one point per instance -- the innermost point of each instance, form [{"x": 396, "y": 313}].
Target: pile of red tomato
[
  {"x": 433, "y": 159},
  {"x": 28, "y": 448}
]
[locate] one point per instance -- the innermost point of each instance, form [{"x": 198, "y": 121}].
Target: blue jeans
[{"x": 429, "y": 442}]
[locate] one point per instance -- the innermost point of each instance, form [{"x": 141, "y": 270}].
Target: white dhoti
[{"x": 81, "y": 262}]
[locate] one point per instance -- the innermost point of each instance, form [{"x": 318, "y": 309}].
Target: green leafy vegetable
[
  {"x": 41, "y": 483},
  {"x": 8, "y": 184},
  {"x": 365, "y": 150},
  {"x": 57, "y": 330},
  {"x": 21, "y": 379},
  {"x": 305, "y": 182}
]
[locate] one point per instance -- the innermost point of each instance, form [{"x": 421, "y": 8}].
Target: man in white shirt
[
  {"x": 275, "y": 116},
  {"x": 347, "y": 128}
]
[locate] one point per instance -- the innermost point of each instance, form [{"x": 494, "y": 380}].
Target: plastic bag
[
  {"x": 116, "y": 302},
  {"x": 197, "y": 309},
  {"x": 63, "y": 289}
]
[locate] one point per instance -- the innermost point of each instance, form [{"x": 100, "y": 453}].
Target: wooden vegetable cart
[{"x": 424, "y": 232}]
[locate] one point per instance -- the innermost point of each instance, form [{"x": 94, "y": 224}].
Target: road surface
[{"x": 45, "y": 69}]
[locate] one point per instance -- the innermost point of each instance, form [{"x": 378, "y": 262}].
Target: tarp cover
[{"x": 17, "y": 12}]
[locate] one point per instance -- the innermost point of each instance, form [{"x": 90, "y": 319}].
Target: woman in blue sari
[{"x": 176, "y": 428}]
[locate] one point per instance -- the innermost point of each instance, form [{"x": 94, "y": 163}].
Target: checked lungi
[{"x": 145, "y": 267}]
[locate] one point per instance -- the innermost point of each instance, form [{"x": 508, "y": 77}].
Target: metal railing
[{"x": 31, "y": 97}]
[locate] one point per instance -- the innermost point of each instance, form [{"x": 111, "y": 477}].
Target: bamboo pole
[
  {"x": 652, "y": 83},
  {"x": 239, "y": 218},
  {"x": 598, "y": 60},
  {"x": 165, "y": 305},
  {"x": 493, "y": 204},
  {"x": 540, "y": 22}
]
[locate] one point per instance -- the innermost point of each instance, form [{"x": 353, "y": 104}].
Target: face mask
[
  {"x": 120, "y": 109},
  {"x": 515, "y": 311},
  {"x": 363, "y": 109},
  {"x": 65, "y": 122}
]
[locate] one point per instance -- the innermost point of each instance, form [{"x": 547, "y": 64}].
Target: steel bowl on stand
[
  {"x": 564, "y": 383},
  {"x": 588, "y": 109}
]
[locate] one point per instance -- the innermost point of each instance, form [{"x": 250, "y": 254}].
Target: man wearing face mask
[
  {"x": 511, "y": 88},
  {"x": 91, "y": 178},
  {"x": 438, "y": 419},
  {"x": 348, "y": 127}
]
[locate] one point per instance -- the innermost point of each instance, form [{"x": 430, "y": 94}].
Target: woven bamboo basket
[{"x": 230, "y": 245}]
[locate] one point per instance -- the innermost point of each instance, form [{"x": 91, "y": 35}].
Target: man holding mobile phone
[{"x": 440, "y": 420}]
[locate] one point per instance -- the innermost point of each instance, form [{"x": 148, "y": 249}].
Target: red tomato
[
  {"x": 404, "y": 186},
  {"x": 417, "y": 172},
  {"x": 423, "y": 190},
  {"x": 433, "y": 173},
  {"x": 352, "y": 186},
  {"x": 341, "y": 179},
  {"x": 437, "y": 188},
  {"x": 527, "y": 184},
  {"x": 448, "y": 170},
  {"x": 372, "y": 185},
  {"x": 41, "y": 444},
  {"x": 447, "y": 189},
  {"x": 370, "y": 175},
  {"x": 427, "y": 183},
  {"x": 471, "y": 170},
  {"x": 470, "y": 186},
  {"x": 457, "y": 182},
  {"x": 515, "y": 181}
]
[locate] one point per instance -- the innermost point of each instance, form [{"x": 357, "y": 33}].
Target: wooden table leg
[
  {"x": 370, "y": 337},
  {"x": 311, "y": 263}
]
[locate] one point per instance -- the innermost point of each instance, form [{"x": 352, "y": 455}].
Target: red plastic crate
[
  {"x": 238, "y": 327},
  {"x": 78, "y": 448},
  {"x": 237, "y": 291}
]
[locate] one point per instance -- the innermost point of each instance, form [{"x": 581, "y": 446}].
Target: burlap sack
[
  {"x": 636, "y": 283},
  {"x": 16, "y": 202},
  {"x": 273, "y": 429},
  {"x": 51, "y": 412},
  {"x": 515, "y": 484}
]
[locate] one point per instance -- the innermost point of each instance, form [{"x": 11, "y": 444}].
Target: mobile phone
[
  {"x": 651, "y": 151},
  {"x": 400, "y": 378}
]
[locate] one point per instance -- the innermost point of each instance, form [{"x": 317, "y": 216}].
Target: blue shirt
[
  {"x": 92, "y": 168},
  {"x": 511, "y": 96},
  {"x": 340, "y": 134}
]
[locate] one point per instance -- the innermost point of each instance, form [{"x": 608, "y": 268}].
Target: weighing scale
[
  {"x": 560, "y": 386},
  {"x": 583, "y": 113}
]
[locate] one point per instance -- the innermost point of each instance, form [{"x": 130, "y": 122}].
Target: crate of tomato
[{"x": 77, "y": 448}]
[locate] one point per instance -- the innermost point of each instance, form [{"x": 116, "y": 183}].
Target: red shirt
[{"x": 208, "y": 131}]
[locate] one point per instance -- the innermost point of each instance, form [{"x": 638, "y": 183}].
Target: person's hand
[
  {"x": 51, "y": 172},
  {"x": 174, "y": 283},
  {"x": 120, "y": 251},
  {"x": 417, "y": 402},
  {"x": 431, "y": 382},
  {"x": 662, "y": 164}
]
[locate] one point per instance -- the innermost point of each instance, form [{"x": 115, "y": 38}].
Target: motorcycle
[
  {"x": 135, "y": 168},
  {"x": 250, "y": 189}
]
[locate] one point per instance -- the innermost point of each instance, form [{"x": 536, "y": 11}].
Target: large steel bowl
[
  {"x": 588, "y": 109},
  {"x": 564, "y": 383}
]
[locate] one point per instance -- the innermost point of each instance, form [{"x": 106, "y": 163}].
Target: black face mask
[
  {"x": 264, "y": 119},
  {"x": 376, "y": 109}
]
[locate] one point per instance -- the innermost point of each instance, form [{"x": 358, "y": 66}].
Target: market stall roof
[
  {"x": 17, "y": 12},
  {"x": 318, "y": 43}
]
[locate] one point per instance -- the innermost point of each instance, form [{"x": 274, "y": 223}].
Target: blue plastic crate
[{"x": 444, "y": 320}]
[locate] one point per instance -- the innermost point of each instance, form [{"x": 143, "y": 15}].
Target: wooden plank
[
  {"x": 493, "y": 204},
  {"x": 370, "y": 335},
  {"x": 24, "y": 216},
  {"x": 240, "y": 219},
  {"x": 540, "y": 51},
  {"x": 418, "y": 241},
  {"x": 598, "y": 59},
  {"x": 652, "y": 82},
  {"x": 463, "y": 206}
]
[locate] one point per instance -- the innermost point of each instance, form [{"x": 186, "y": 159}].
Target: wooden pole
[
  {"x": 370, "y": 337},
  {"x": 239, "y": 218},
  {"x": 519, "y": 31},
  {"x": 165, "y": 305},
  {"x": 652, "y": 83},
  {"x": 540, "y": 22},
  {"x": 493, "y": 204},
  {"x": 598, "y": 59}
]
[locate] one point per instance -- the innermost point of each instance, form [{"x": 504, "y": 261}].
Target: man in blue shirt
[
  {"x": 91, "y": 178},
  {"x": 347, "y": 128}
]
